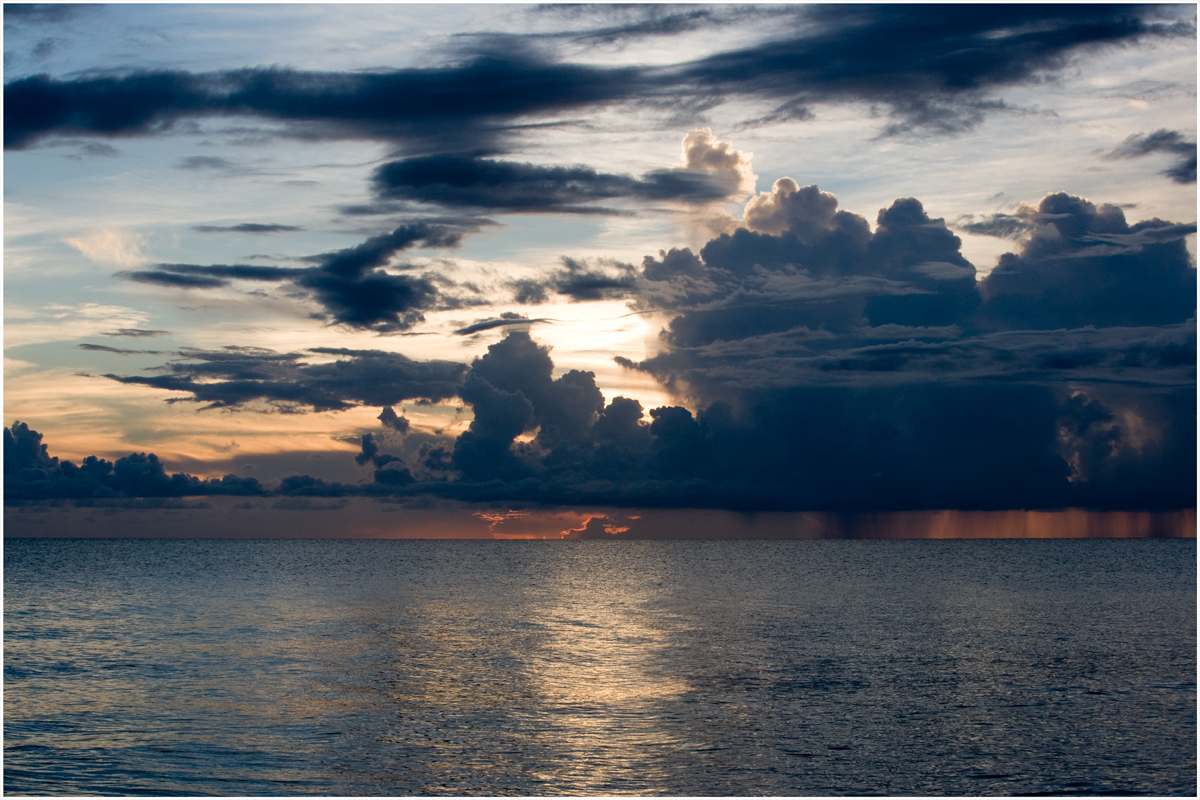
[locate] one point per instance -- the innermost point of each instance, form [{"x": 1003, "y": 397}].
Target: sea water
[{"x": 255, "y": 667}]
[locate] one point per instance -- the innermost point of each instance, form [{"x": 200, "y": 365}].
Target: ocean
[{"x": 354, "y": 667}]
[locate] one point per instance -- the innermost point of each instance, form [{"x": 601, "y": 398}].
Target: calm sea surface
[{"x": 581, "y": 668}]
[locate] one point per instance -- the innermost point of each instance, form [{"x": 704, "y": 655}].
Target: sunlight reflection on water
[{"x": 584, "y": 668}]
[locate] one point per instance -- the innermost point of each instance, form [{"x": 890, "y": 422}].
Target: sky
[{"x": 518, "y": 270}]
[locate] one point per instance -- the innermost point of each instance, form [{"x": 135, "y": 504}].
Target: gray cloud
[
  {"x": 246, "y": 227},
  {"x": 352, "y": 285},
  {"x": 1163, "y": 141},
  {"x": 135, "y": 332},
  {"x": 933, "y": 70},
  {"x": 237, "y": 377}
]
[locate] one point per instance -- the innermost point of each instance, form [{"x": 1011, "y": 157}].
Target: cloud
[
  {"x": 118, "y": 350},
  {"x": 134, "y": 332},
  {"x": 246, "y": 227},
  {"x": 622, "y": 25},
  {"x": 99, "y": 149},
  {"x": 204, "y": 162},
  {"x": 580, "y": 281},
  {"x": 43, "y": 13},
  {"x": 1083, "y": 264},
  {"x": 703, "y": 152},
  {"x": 454, "y": 105},
  {"x": 30, "y": 473},
  {"x": 1001, "y": 226},
  {"x": 1163, "y": 141},
  {"x": 236, "y": 377},
  {"x": 172, "y": 280},
  {"x": 787, "y": 205},
  {"x": 110, "y": 247},
  {"x": 506, "y": 319},
  {"x": 392, "y": 420},
  {"x": 841, "y": 358},
  {"x": 932, "y": 70},
  {"x": 464, "y": 181},
  {"x": 352, "y": 285}
]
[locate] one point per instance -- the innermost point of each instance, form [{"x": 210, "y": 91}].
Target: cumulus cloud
[
  {"x": 786, "y": 205},
  {"x": 702, "y": 151},
  {"x": 1084, "y": 264}
]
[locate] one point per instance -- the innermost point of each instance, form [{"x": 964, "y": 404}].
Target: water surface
[{"x": 639, "y": 667}]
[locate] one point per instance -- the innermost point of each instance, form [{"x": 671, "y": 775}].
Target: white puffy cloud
[
  {"x": 701, "y": 150},
  {"x": 787, "y": 203}
]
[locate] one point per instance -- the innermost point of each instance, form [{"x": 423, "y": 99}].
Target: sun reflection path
[{"x": 603, "y": 679}]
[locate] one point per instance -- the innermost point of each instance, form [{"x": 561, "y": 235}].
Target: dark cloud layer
[
  {"x": 351, "y": 285},
  {"x": 1163, "y": 141},
  {"x": 416, "y": 104},
  {"x": 30, "y": 473},
  {"x": 508, "y": 186},
  {"x": 825, "y": 366},
  {"x": 933, "y": 68},
  {"x": 236, "y": 376}
]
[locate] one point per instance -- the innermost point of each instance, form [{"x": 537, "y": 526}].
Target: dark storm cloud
[
  {"x": 1085, "y": 264},
  {"x": 826, "y": 365},
  {"x": 1163, "y": 141},
  {"x": 872, "y": 371},
  {"x": 237, "y": 376},
  {"x": 931, "y": 67},
  {"x": 246, "y": 227},
  {"x": 509, "y": 186},
  {"x": 350, "y": 284},
  {"x": 823, "y": 270}
]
